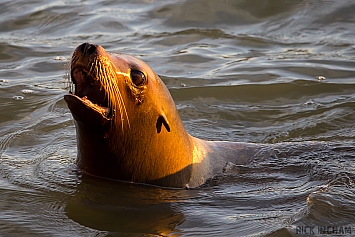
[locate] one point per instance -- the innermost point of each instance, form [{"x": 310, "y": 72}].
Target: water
[{"x": 239, "y": 70}]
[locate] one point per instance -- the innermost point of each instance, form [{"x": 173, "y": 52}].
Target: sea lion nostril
[
  {"x": 82, "y": 47},
  {"x": 87, "y": 48},
  {"x": 90, "y": 49}
]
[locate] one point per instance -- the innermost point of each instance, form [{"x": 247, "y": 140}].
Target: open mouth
[{"x": 90, "y": 92}]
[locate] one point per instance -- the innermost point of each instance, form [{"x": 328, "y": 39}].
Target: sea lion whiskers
[
  {"x": 109, "y": 83},
  {"x": 68, "y": 83},
  {"x": 73, "y": 60},
  {"x": 106, "y": 75},
  {"x": 102, "y": 75}
]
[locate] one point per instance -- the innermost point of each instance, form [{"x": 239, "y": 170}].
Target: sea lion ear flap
[{"x": 162, "y": 120}]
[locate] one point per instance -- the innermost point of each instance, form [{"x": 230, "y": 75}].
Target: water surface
[{"x": 270, "y": 72}]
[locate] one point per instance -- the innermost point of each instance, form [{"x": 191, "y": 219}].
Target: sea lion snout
[
  {"x": 88, "y": 96},
  {"x": 87, "y": 48},
  {"x": 87, "y": 52}
]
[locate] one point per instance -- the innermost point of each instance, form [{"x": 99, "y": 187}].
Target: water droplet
[
  {"x": 310, "y": 102},
  {"x": 321, "y": 78},
  {"x": 26, "y": 91},
  {"x": 18, "y": 97},
  {"x": 60, "y": 58}
]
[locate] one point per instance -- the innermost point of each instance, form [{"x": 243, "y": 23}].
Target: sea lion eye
[{"x": 138, "y": 77}]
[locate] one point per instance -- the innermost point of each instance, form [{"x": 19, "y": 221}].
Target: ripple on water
[{"x": 38, "y": 172}]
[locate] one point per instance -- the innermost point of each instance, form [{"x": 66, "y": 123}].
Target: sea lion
[{"x": 128, "y": 128}]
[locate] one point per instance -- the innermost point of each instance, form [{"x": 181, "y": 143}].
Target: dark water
[{"x": 239, "y": 70}]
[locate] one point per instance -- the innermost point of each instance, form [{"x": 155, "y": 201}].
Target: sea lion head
[
  {"x": 127, "y": 124},
  {"x": 112, "y": 85}
]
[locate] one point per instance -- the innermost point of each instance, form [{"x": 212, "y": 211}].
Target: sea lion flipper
[{"x": 160, "y": 121}]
